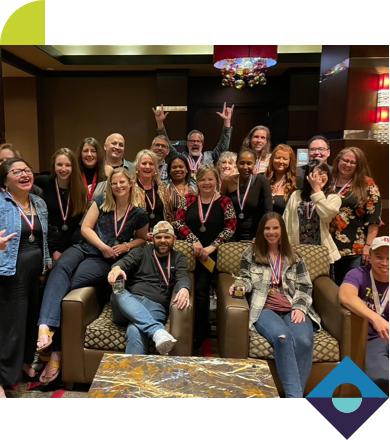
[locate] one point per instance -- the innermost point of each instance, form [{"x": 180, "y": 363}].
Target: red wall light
[
  {"x": 382, "y": 115},
  {"x": 384, "y": 82}
]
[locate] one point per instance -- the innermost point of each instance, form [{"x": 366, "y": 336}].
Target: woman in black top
[{"x": 250, "y": 194}]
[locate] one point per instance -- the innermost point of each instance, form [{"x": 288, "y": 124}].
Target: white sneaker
[
  {"x": 164, "y": 341},
  {"x": 213, "y": 303}
]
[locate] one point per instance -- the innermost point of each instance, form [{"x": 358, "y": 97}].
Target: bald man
[{"x": 115, "y": 149}]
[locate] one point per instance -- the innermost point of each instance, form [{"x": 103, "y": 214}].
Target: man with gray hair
[
  {"x": 152, "y": 275},
  {"x": 114, "y": 146},
  {"x": 160, "y": 146}
]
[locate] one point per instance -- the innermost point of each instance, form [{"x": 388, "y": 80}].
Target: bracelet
[
  {"x": 127, "y": 245},
  {"x": 369, "y": 245}
]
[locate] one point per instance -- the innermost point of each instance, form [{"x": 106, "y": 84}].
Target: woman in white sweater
[{"x": 309, "y": 212}]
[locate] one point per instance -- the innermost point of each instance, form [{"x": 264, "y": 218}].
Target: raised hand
[
  {"x": 160, "y": 116},
  {"x": 317, "y": 181},
  {"x": 226, "y": 114}
]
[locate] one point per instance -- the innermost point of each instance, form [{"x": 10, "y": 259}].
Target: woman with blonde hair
[
  {"x": 112, "y": 227},
  {"x": 259, "y": 140},
  {"x": 151, "y": 194},
  {"x": 355, "y": 227},
  {"x": 227, "y": 164}
]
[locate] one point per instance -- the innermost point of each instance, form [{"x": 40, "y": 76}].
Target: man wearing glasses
[
  {"x": 319, "y": 149},
  {"x": 160, "y": 146},
  {"x": 195, "y": 140}
]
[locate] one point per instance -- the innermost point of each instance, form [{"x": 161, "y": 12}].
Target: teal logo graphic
[{"x": 347, "y": 415}]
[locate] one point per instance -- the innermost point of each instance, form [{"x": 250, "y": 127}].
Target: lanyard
[
  {"x": 380, "y": 304},
  {"x": 257, "y": 167},
  {"x": 342, "y": 189},
  {"x": 178, "y": 192},
  {"x": 63, "y": 215},
  {"x": 309, "y": 214},
  {"x": 31, "y": 223},
  {"x": 163, "y": 168},
  {"x": 151, "y": 204},
  {"x": 280, "y": 185},
  {"x": 248, "y": 187},
  {"x": 276, "y": 269},
  {"x": 93, "y": 186},
  {"x": 118, "y": 233},
  {"x": 194, "y": 165},
  {"x": 166, "y": 278},
  {"x": 203, "y": 219}
]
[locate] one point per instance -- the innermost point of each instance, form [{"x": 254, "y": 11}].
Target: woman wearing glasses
[
  {"x": 22, "y": 261},
  {"x": 358, "y": 221},
  {"x": 112, "y": 227}
]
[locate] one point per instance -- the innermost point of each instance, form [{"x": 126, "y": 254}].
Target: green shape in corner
[{"x": 26, "y": 25}]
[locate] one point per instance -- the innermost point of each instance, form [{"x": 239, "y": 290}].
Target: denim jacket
[{"x": 11, "y": 221}]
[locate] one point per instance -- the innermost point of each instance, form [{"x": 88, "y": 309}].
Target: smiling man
[
  {"x": 160, "y": 146},
  {"x": 115, "y": 150},
  {"x": 152, "y": 274},
  {"x": 319, "y": 149}
]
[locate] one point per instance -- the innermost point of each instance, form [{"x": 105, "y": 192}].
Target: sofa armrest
[
  {"x": 182, "y": 326},
  {"x": 232, "y": 321},
  {"x": 349, "y": 329},
  {"x": 79, "y": 308}
]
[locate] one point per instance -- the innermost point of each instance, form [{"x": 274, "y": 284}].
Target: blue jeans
[
  {"x": 142, "y": 316},
  {"x": 293, "y": 352},
  {"x": 344, "y": 265},
  {"x": 377, "y": 363}
]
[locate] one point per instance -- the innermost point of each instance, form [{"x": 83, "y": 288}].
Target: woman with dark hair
[
  {"x": 279, "y": 293},
  {"x": 66, "y": 199},
  {"x": 259, "y": 140},
  {"x": 179, "y": 183},
  {"x": 282, "y": 175},
  {"x": 22, "y": 260},
  {"x": 309, "y": 211},
  {"x": 7, "y": 151},
  {"x": 356, "y": 225}
]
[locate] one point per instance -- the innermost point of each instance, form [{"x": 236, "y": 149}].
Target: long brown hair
[
  {"x": 78, "y": 193},
  {"x": 99, "y": 167},
  {"x": 290, "y": 184},
  {"x": 358, "y": 184},
  {"x": 246, "y": 143},
  {"x": 260, "y": 246}
]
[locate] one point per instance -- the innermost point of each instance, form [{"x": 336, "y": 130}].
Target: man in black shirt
[{"x": 152, "y": 274}]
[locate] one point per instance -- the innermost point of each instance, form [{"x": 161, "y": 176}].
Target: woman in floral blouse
[{"x": 358, "y": 221}]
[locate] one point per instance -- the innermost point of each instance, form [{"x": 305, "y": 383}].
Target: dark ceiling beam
[{"x": 17, "y": 62}]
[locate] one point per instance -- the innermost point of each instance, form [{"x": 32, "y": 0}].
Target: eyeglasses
[
  {"x": 351, "y": 162},
  {"x": 120, "y": 183},
  {"x": 18, "y": 172},
  {"x": 160, "y": 145},
  {"x": 320, "y": 150}
]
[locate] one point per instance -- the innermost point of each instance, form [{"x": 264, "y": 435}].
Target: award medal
[
  {"x": 64, "y": 216},
  {"x": 309, "y": 214},
  {"x": 31, "y": 222},
  {"x": 257, "y": 167},
  {"x": 152, "y": 204},
  {"x": 118, "y": 233},
  {"x": 379, "y": 303},
  {"x": 203, "y": 219},
  {"x": 342, "y": 189},
  {"x": 274, "y": 193},
  {"x": 242, "y": 203},
  {"x": 194, "y": 165},
  {"x": 276, "y": 273},
  {"x": 93, "y": 186},
  {"x": 168, "y": 276}
]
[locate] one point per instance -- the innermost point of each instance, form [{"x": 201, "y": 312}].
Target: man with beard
[
  {"x": 365, "y": 291},
  {"x": 152, "y": 274},
  {"x": 160, "y": 147},
  {"x": 319, "y": 149}
]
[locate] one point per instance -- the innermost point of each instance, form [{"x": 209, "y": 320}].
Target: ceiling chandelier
[{"x": 241, "y": 65}]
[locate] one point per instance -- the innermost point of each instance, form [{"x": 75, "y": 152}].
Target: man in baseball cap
[{"x": 365, "y": 291}]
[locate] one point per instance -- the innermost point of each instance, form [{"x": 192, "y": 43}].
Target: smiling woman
[{"x": 259, "y": 140}]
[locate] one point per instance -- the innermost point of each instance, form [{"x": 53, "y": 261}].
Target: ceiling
[{"x": 28, "y": 61}]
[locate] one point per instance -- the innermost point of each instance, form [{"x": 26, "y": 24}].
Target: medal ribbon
[
  {"x": 178, "y": 192},
  {"x": 152, "y": 205},
  {"x": 194, "y": 165},
  {"x": 380, "y": 304},
  {"x": 203, "y": 219},
  {"x": 163, "y": 168},
  {"x": 309, "y": 216},
  {"x": 280, "y": 185},
  {"x": 342, "y": 189},
  {"x": 248, "y": 187},
  {"x": 118, "y": 233},
  {"x": 64, "y": 216},
  {"x": 276, "y": 269},
  {"x": 257, "y": 167},
  {"x": 31, "y": 223},
  {"x": 166, "y": 279},
  {"x": 93, "y": 186}
]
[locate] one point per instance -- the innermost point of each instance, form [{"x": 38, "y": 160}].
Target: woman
[
  {"x": 309, "y": 212},
  {"x": 227, "y": 164},
  {"x": 179, "y": 181},
  {"x": 357, "y": 224},
  {"x": 22, "y": 260},
  {"x": 281, "y": 173},
  {"x": 66, "y": 199},
  {"x": 251, "y": 195},
  {"x": 279, "y": 292},
  {"x": 108, "y": 230},
  {"x": 91, "y": 159},
  {"x": 7, "y": 151},
  {"x": 206, "y": 220},
  {"x": 151, "y": 194},
  {"x": 259, "y": 140}
]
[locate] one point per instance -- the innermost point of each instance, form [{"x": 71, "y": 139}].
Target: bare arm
[{"x": 371, "y": 234}]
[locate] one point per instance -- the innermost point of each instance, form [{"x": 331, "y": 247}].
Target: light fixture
[
  {"x": 244, "y": 63},
  {"x": 381, "y": 133}
]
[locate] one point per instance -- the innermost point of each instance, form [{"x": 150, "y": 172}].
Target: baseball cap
[
  {"x": 379, "y": 242},
  {"x": 163, "y": 228}
]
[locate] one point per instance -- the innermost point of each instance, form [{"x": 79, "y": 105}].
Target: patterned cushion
[
  {"x": 229, "y": 257},
  {"x": 326, "y": 348},
  {"x": 188, "y": 250},
  {"x": 103, "y": 334}
]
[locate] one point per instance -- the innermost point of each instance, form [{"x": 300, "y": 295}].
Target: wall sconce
[
  {"x": 381, "y": 132},
  {"x": 244, "y": 63}
]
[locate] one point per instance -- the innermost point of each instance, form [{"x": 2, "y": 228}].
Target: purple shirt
[{"x": 360, "y": 278}]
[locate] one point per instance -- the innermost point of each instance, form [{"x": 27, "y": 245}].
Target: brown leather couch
[
  {"x": 343, "y": 333},
  {"x": 88, "y": 331}
]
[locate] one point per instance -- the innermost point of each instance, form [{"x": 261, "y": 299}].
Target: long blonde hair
[{"x": 109, "y": 203}]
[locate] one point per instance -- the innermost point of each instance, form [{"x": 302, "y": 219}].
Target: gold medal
[{"x": 272, "y": 291}]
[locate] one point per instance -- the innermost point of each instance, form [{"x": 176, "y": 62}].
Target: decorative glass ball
[
  {"x": 257, "y": 79},
  {"x": 251, "y": 82},
  {"x": 247, "y": 64},
  {"x": 240, "y": 70},
  {"x": 247, "y": 72},
  {"x": 231, "y": 72},
  {"x": 239, "y": 84},
  {"x": 257, "y": 70},
  {"x": 225, "y": 82},
  {"x": 263, "y": 81}
]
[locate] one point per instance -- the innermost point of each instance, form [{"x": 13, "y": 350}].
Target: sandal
[
  {"x": 52, "y": 365},
  {"x": 44, "y": 331}
]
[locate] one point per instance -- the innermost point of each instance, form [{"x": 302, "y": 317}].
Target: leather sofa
[
  {"x": 88, "y": 331},
  {"x": 343, "y": 333}
]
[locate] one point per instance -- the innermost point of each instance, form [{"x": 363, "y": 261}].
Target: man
[
  {"x": 365, "y": 291},
  {"x": 152, "y": 274},
  {"x": 115, "y": 149},
  {"x": 319, "y": 149},
  {"x": 160, "y": 146},
  {"x": 195, "y": 140}
]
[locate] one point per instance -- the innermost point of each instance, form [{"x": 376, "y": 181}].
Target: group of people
[{"x": 87, "y": 222}]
